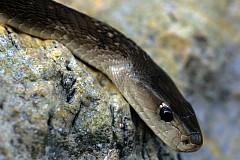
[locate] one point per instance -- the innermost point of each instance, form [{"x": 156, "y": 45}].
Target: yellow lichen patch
[
  {"x": 41, "y": 89},
  {"x": 54, "y": 53},
  {"x": 62, "y": 113},
  {"x": 27, "y": 41},
  {"x": 2, "y": 29}
]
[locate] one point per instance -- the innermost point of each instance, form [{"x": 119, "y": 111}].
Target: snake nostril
[{"x": 196, "y": 138}]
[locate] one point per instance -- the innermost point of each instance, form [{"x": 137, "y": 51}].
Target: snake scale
[{"x": 147, "y": 88}]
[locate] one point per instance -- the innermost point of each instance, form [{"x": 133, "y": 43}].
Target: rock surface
[{"x": 54, "y": 107}]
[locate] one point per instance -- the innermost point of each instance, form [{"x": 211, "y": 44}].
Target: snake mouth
[{"x": 192, "y": 142}]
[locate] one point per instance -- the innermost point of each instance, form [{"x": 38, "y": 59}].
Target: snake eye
[{"x": 166, "y": 114}]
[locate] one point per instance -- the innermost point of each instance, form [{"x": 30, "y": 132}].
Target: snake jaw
[
  {"x": 186, "y": 145},
  {"x": 187, "y": 141},
  {"x": 180, "y": 141}
]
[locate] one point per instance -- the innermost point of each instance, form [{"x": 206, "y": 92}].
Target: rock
[{"x": 53, "y": 106}]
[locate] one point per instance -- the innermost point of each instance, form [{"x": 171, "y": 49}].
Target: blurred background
[{"x": 197, "y": 43}]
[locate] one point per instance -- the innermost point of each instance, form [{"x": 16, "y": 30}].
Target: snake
[{"x": 146, "y": 87}]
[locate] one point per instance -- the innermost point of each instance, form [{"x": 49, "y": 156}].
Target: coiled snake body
[{"x": 147, "y": 88}]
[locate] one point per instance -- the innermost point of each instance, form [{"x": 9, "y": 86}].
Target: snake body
[{"x": 148, "y": 89}]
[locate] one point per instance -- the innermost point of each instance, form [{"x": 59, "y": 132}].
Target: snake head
[
  {"x": 179, "y": 127},
  {"x": 162, "y": 107}
]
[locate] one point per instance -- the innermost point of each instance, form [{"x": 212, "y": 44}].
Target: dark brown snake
[{"x": 147, "y": 88}]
